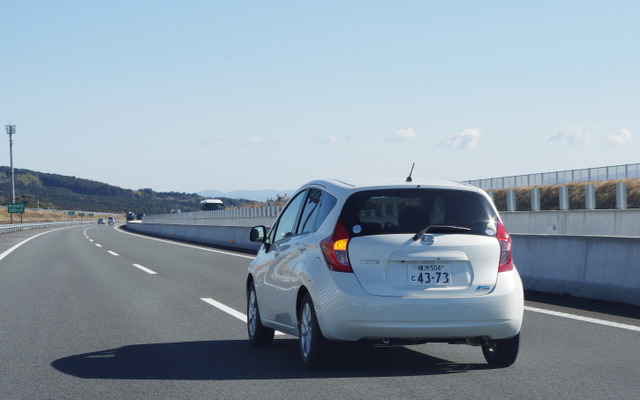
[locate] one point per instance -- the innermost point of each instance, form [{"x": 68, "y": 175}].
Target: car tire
[
  {"x": 313, "y": 345},
  {"x": 501, "y": 353},
  {"x": 259, "y": 335}
]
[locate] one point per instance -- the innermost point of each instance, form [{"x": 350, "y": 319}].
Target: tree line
[{"x": 59, "y": 192}]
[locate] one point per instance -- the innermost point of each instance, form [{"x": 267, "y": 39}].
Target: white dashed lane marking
[
  {"x": 147, "y": 270},
  {"x": 230, "y": 311}
]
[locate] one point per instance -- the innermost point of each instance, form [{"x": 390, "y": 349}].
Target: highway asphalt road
[{"x": 93, "y": 312}]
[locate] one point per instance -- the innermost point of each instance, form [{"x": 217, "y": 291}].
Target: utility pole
[{"x": 11, "y": 130}]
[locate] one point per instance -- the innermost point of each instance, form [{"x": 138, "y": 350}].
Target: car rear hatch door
[{"x": 434, "y": 266}]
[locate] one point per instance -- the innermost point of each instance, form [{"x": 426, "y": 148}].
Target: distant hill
[
  {"x": 70, "y": 193},
  {"x": 256, "y": 195}
]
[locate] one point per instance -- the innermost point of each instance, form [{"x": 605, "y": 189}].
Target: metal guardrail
[
  {"x": 626, "y": 171},
  {"x": 28, "y": 227}
]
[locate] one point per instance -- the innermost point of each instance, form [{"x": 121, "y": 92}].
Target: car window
[
  {"x": 411, "y": 210},
  {"x": 326, "y": 205},
  {"x": 310, "y": 211},
  {"x": 317, "y": 206},
  {"x": 287, "y": 221}
]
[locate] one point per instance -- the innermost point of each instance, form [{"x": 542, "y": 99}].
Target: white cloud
[
  {"x": 330, "y": 139},
  {"x": 335, "y": 139},
  {"x": 211, "y": 141},
  {"x": 570, "y": 135},
  {"x": 255, "y": 140},
  {"x": 403, "y": 134},
  {"x": 351, "y": 134},
  {"x": 622, "y": 136},
  {"x": 467, "y": 139}
]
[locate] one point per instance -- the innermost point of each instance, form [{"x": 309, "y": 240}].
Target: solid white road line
[
  {"x": 147, "y": 270},
  {"x": 584, "y": 319},
  {"x": 10, "y": 250},
  {"x": 230, "y": 311}
]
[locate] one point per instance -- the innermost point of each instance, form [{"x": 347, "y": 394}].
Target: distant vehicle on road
[
  {"x": 101, "y": 221},
  {"x": 111, "y": 221},
  {"x": 139, "y": 216},
  {"x": 130, "y": 216},
  {"x": 211, "y": 204}
]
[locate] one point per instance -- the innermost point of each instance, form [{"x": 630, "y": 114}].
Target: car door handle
[{"x": 302, "y": 246}]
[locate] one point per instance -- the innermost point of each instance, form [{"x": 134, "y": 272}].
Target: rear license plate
[{"x": 429, "y": 275}]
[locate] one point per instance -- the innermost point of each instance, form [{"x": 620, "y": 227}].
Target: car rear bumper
[{"x": 350, "y": 314}]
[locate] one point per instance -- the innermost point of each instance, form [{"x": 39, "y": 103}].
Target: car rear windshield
[{"x": 386, "y": 211}]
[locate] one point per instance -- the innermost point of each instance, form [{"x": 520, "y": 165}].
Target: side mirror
[{"x": 258, "y": 234}]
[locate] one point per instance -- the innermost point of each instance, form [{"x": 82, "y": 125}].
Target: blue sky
[{"x": 194, "y": 95}]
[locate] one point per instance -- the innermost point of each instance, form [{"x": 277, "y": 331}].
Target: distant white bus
[{"x": 211, "y": 204}]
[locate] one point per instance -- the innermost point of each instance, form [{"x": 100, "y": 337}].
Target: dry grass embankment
[
  {"x": 550, "y": 197},
  {"x": 31, "y": 216}
]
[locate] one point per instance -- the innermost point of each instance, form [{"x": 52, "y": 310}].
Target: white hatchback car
[{"x": 400, "y": 263}]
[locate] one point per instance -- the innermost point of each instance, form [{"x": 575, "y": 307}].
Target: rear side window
[
  {"x": 317, "y": 206},
  {"x": 388, "y": 211}
]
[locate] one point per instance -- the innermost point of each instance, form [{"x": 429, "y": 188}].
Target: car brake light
[
  {"x": 506, "y": 259},
  {"x": 334, "y": 249}
]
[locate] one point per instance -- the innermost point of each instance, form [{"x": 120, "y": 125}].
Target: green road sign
[
  {"x": 81, "y": 214},
  {"x": 15, "y": 208},
  {"x": 72, "y": 213}
]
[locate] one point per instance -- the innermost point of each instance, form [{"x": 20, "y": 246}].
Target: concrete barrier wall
[
  {"x": 574, "y": 222},
  {"x": 594, "y": 267},
  {"x": 235, "y": 237}
]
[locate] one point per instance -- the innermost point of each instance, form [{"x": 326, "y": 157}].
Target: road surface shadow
[{"x": 238, "y": 360}]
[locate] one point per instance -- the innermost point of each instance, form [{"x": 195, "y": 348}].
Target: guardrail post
[
  {"x": 621, "y": 195},
  {"x": 535, "y": 199},
  {"x": 511, "y": 200},
  {"x": 563, "y": 193},
  {"x": 590, "y": 197}
]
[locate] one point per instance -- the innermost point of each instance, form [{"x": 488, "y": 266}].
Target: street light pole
[{"x": 11, "y": 130}]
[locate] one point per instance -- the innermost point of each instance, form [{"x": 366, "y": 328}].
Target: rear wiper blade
[{"x": 440, "y": 229}]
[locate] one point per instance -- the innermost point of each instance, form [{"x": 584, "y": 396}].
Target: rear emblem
[{"x": 428, "y": 240}]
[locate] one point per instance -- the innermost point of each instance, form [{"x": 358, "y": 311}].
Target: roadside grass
[{"x": 31, "y": 216}]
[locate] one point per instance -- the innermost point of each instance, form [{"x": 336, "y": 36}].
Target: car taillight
[
  {"x": 506, "y": 260},
  {"x": 334, "y": 249}
]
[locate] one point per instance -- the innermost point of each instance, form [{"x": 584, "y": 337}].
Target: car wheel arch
[
  {"x": 249, "y": 281},
  {"x": 302, "y": 291}
]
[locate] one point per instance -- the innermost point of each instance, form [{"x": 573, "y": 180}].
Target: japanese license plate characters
[{"x": 429, "y": 275}]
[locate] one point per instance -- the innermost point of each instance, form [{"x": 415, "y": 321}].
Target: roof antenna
[{"x": 411, "y": 173}]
